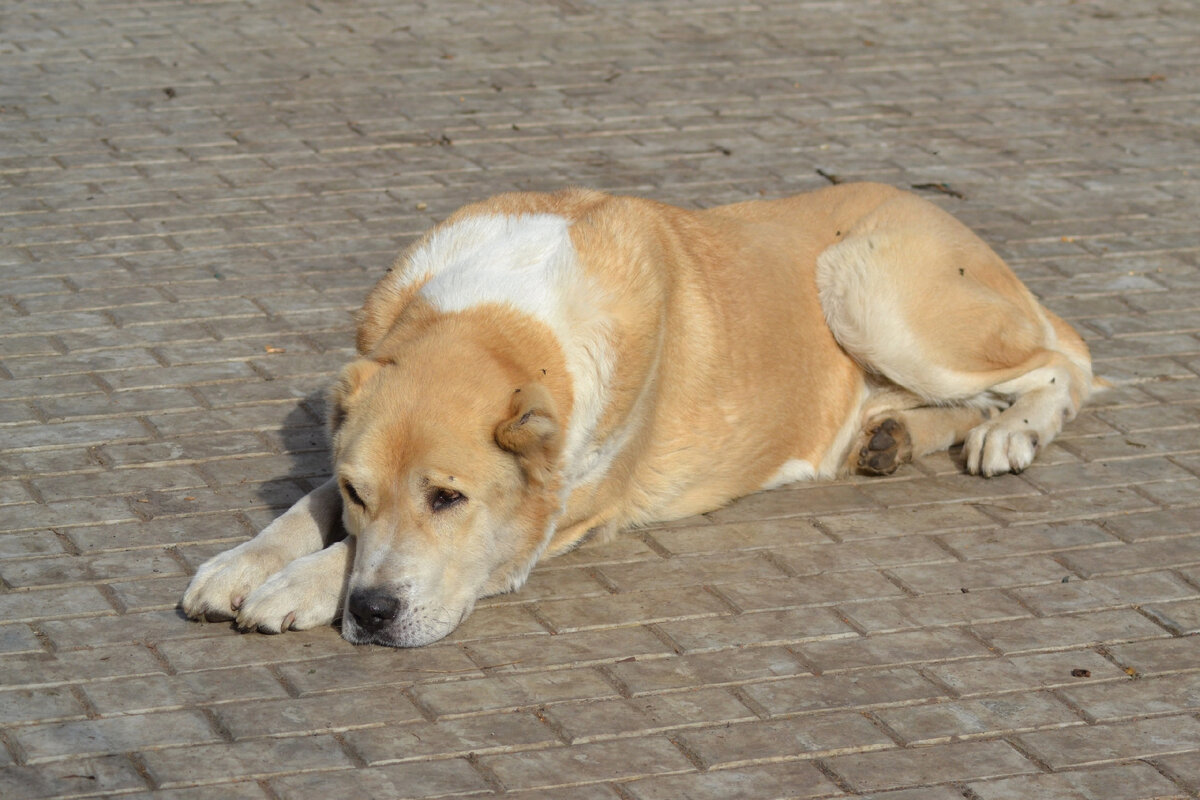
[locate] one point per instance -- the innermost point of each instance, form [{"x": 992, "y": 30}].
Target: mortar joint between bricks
[
  {"x": 218, "y": 727},
  {"x": 887, "y": 730},
  {"x": 142, "y": 769},
  {"x": 1155, "y": 763},
  {"x": 619, "y": 685},
  {"x": 283, "y": 681},
  {"x": 833, "y": 777},
  {"x": 110, "y": 595},
  {"x": 166, "y": 664},
  {"x": 966, "y": 791},
  {"x": 85, "y": 702},
  {"x": 265, "y": 786},
  {"x": 647, "y": 538},
  {"x": 596, "y": 574},
  {"x": 489, "y": 777},
  {"x": 1077, "y": 709},
  {"x": 557, "y": 729},
  {"x": 715, "y": 591},
  {"x": 925, "y": 671},
  {"x": 898, "y": 583},
  {"x": 1016, "y": 744},
  {"x": 690, "y": 754},
  {"x": 1008, "y": 592},
  {"x": 534, "y": 611},
  {"x": 1162, "y": 621},
  {"x": 14, "y": 749},
  {"x": 351, "y": 753},
  {"x": 424, "y": 709},
  {"x": 778, "y": 562},
  {"x": 749, "y": 702}
]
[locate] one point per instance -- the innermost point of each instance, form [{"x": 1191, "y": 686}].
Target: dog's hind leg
[
  {"x": 920, "y": 301},
  {"x": 891, "y": 439},
  {"x": 222, "y": 583}
]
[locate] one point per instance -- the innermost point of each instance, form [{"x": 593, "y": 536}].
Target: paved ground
[{"x": 195, "y": 195}]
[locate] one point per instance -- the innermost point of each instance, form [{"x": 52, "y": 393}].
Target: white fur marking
[
  {"x": 797, "y": 469},
  {"x": 529, "y": 263},
  {"x": 863, "y": 312}
]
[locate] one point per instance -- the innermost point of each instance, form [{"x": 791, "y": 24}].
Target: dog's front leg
[
  {"x": 223, "y": 582},
  {"x": 307, "y": 593}
]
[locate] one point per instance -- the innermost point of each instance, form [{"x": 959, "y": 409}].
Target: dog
[{"x": 543, "y": 368}]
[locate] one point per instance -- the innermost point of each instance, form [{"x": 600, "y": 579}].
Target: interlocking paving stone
[
  {"x": 506, "y": 731},
  {"x": 797, "y": 779},
  {"x": 115, "y": 734},
  {"x": 195, "y": 197},
  {"x": 894, "y": 769},
  {"x": 585, "y": 763},
  {"x": 1134, "y": 781},
  {"x": 1115, "y": 741}
]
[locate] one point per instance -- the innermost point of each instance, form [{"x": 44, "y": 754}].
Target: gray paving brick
[
  {"x": 512, "y": 691},
  {"x": 1133, "y": 781},
  {"x": 117, "y": 734},
  {"x": 963, "y": 719},
  {"x": 114, "y": 773},
  {"x": 893, "y": 769},
  {"x": 258, "y": 758},
  {"x": 436, "y": 779},
  {"x": 178, "y": 267},
  {"x": 587, "y": 763},
  {"x": 480, "y": 734},
  {"x": 1118, "y": 741}
]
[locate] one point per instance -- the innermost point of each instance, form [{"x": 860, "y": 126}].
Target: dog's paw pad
[{"x": 885, "y": 445}]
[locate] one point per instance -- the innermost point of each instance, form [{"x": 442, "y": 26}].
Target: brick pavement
[{"x": 194, "y": 196}]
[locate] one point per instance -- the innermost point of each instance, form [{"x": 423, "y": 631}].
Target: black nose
[{"x": 372, "y": 609}]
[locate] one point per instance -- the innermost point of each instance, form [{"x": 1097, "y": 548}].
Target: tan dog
[{"x": 539, "y": 368}]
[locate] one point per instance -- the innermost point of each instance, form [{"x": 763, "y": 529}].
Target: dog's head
[{"x": 446, "y": 460}]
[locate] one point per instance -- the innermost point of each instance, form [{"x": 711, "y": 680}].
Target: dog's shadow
[{"x": 303, "y": 438}]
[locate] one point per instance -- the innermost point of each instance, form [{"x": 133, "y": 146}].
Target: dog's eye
[
  {"x": 352, "y": 494},
  {"x": 441, "y": 499}
]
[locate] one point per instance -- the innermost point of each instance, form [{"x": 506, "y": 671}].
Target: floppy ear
[
  {"x": 532, "y": 432},
  {"x": 342, "y": 394}
]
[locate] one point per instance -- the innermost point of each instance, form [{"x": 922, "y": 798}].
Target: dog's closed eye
[
  {"x": 352, "y": 494},
  {"x": 440, "y": 499}
]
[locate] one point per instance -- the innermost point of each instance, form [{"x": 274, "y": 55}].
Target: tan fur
[{"x": 728, "y": 350}]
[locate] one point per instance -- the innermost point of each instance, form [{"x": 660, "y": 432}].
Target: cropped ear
[
  {"x": 342, "y": 394},
  {"x": 532, "y": 432}
]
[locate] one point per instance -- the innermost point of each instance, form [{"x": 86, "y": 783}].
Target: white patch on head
[
  {"x": 529, "y": 263},
  {"x": 524, "y": 261}
]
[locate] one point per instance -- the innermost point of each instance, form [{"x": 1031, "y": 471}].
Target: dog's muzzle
[{"x": 374, "y": 610}]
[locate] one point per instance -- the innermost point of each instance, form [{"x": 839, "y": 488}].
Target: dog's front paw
[
  {"x": 305, "y": 594},
  {"x": 222, "y": 583},
  {"x": 999, "y": 446}
]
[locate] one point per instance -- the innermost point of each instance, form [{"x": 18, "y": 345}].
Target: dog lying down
[{"x": 541, "y": 368}]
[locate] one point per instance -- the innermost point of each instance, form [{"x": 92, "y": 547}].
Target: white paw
[
  {"x": 224, "y": 581},
  {"x": 305, "y": 594},
  {"x": 999, "y": 446}
]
